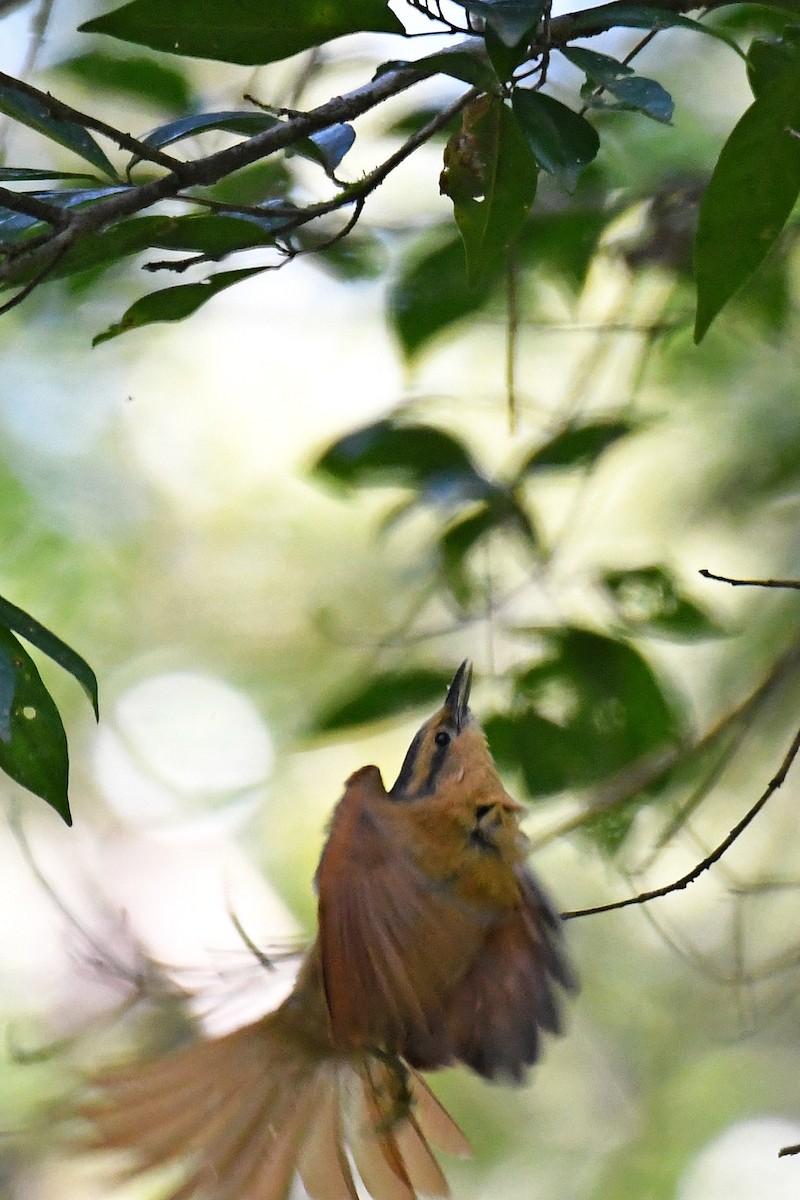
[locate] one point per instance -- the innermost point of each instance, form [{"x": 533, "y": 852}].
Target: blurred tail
[{"x": 242, "y": 1113}]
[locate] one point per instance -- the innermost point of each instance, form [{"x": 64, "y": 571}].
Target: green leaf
[
  {"x": 14, "y": 224},
  {"x": 459, "y": 539},
  {"x": 33, "y": 745},
  {"x": 249, "y": 32},
  {"x": 130, "y": 75},
  {"x": 463, "y": 65},
  {"x": 490, "y": 175},
  {"x": 511, "y": 20},
  {"x": 562, "y": 141},
  {"x": 562, "y": 243},
  {"x": 38, "y": 635},
  {"x": 173, "y": 304},
  {"x": 770, "y": 58},
  {"x": 385, "y": 695},
  {"x": 591, "y": 709},
  {"x": 27, "y": 110},
  {"x": 20, "y": 174},
  {"x": 751, "y": 193},
  {"x": 327, "y": 147},
  {"x": 631, "y": 16},
  {"x": 387, "y": 453},
  {"x": 649, "y": 601},
  {"x": 432, "y": 292},
  {"x": 633, "y": 91},
  {"x": 577, "y": 446}
]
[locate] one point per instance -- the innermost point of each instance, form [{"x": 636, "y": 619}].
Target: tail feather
[
  {"x": 242, "y": 1113},
  {"x": 323, "y": 1165},
  {"x": 422, "y": 1169},
  {"x": 435, "y": 1122}
]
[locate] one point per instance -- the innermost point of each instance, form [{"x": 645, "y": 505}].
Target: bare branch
[
  {"x": 793, "y": 584},
  {"x": 710, "y": 859}
]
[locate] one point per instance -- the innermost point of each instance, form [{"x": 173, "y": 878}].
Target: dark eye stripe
[{"x": 408, "y": 786}]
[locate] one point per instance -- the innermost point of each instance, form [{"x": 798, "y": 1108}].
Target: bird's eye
[{"x": 442, "y": 738}]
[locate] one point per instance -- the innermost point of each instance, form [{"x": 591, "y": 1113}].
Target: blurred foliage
[{"x": 621, "y": 689}]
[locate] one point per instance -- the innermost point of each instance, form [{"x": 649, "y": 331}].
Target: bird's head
[
  {"x": 440, "y": 746},
  {"x": 449, "y": 786}
]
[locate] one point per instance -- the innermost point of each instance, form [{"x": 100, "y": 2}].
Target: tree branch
[
  {"x": 793, "y": 584},
  {"x": 710, "y": 859}
]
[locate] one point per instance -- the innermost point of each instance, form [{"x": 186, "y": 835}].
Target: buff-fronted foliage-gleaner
[{"x": 436, "y": 946}]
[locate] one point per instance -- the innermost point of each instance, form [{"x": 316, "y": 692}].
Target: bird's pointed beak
[{"x": 457, "y": 700}]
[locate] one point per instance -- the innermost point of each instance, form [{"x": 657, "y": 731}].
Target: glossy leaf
[
  {"x": 327, "y": 147},
  {"x": 387, "y": 453},
  {"x": 14, "y": 224},
  {"x": 173, "y": 304},
  {"x": 769, "y": 58},
  {"x": 469, "y": 68},
  {"x": 649, "y": 600},
  {"x": 751, "y": 193},
  {"x": 144, "y": 78},
  {"x": 490, "y": 174},
  {"x": 431, "y": 293},
  {"x": 28, "y": 110},
  {"x": 385, "y": 695},
  {"x": 578, "y": 446},
  {"x": 618, "y": 79},
  {"x": 591, "y": 709},
  {"x": 631, "y": 16},
  {"x": 20, "y": 174},
  {"x": 49, "y": 643},
  {"x": 562, "y": 141},
  {"x": 511, "y": 20},
  {"x": 250, "y": 32},
  {"x": 33, "y": 745}
]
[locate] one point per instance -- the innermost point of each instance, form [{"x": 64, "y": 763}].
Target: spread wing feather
[
  {"x": 496, "y": 1011},
  {"x": 391, "y": 942}
]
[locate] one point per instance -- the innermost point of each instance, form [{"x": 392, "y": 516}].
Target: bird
[{"x": 436, "y": 946}]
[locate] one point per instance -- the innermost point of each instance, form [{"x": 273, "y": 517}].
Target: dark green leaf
[
  {"x": 19, "y": 174},
  {"x": 591, "y": 709},
  {"x": 563, "y": 243},
  {"x": 33, "y": 745},
  {"x": 141, "y": 77},
  {"x": 14, "y": 224},
  {"x": 563, "y": 142},
  {"x": 249, "y": 32},
  {"x": 327, "y": 147},
  {"x": 578, "y": 446},
  {"x": 173, "y": 304},
  {"x": 390, "y": 454},
  {"x": 490, "y": 175},
  {"x": 631, "y": 16},
  {"x": 26, "y": 626},
  {"x": 461, "y": 537},
  {"x": 769, "y": 58},
  {"x": 386, "y": 695},
  {"x": 751, "y": 193},
  {"x": 649, "y": 600},
  {"x": 358, "y": 256},
  {"x": 27, "y": 110},
  {"x": 469, "y": 68},
  {"x": 432, "y": 293},
  {"x": 633, "y": 91},
  {"x": 511, "y": 20}
]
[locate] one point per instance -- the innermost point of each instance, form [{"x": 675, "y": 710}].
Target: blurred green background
[{"x": 160, "y": 511}]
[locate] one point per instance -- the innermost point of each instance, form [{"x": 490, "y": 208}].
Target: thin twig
[
  {"x": 792, "y": 584},
  {"x": 710, "y": 859}
]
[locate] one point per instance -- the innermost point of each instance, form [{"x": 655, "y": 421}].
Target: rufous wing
[
  {"x": 499, "y": 1008},
  {"x": 391, "y": 942}
]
